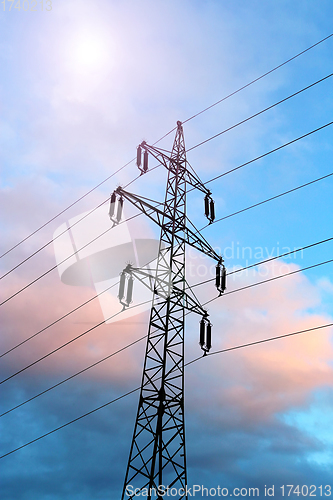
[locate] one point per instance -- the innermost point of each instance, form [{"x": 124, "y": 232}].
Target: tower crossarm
[
  {"x": 161, "y": 287},
  {"x": 166, "y": 222},
  {"x": 171, "y": 164},
  {"x": 189, "y": 303}
]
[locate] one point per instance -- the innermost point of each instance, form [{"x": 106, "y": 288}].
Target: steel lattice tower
[
  {"x": 158, "y": 447},
  {"x": 158, "y": 454}
]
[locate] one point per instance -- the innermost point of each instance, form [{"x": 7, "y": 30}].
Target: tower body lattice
[{"x": 157, "y": 456}]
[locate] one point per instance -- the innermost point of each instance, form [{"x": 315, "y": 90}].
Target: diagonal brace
[{"x": 159, "y": 217}]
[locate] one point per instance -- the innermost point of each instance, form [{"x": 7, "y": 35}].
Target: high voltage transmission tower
[{"x": 157, "y": 454}]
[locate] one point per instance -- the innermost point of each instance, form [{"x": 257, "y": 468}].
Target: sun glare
[{"x": 89, "y": 52}]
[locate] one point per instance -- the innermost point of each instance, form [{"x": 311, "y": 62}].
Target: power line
[
  {"x": 260, "y": 112},
  {"x": 269, "y": 199},
  {"x": 61, "y": 318},
  {"x": 165, "y": 135},
  {"x": 145, "y": 336},
  {"x": 263, "y": 341},
  {"x": 192, "y": 286},
  {"x": 74, "y": 375},
  {"x": 282, "y": 255},
  {"x": 55, "y": 238},
  {"x": 67, "y": 343},
  {"x": 216, "y": 220},
  {"x": 269, "y": 152},
  {"x": 197, "y": 145},
  {"x": 54, "y": 267},
  {"x": 222, "y": 218},
  {"x": 67, "y": 208},
  {"x": 55, "y": 322},
  {"x": 68, "y": 229},
  {"x": 247, "y": 119},
  {"x": 270, "y": 339},
  {"x": 158, "y": 204},
  {"x": 71, "y": 422},
  {"x": 259, "y": 78},
  {"x": 200, "y": 358},
  {"x": 264, "y": 155},
  {"x": 269, "y": 260},
  {"x": 271, "y": 279}
]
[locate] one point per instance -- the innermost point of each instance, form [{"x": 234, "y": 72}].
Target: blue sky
[{"x": 81, "y": 86}]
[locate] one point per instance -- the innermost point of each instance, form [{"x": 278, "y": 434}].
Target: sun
[{"x": 89, "y": 52}]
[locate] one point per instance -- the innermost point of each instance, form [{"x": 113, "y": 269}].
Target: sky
[{"x": 81, "y": 85}]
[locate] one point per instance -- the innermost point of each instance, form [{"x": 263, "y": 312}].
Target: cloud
[
  {"x": 236, "y": 400},
  {"x": 88, "y": 349},
  {"x": 251, "y": 413},
  {"x": 277, "y": 373}
]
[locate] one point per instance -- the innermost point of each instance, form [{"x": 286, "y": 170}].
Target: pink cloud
[
  {"x": 48, "y": 300},
  {"x": 259, "y": 381},
  {"x": 254, "y": 383}
]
